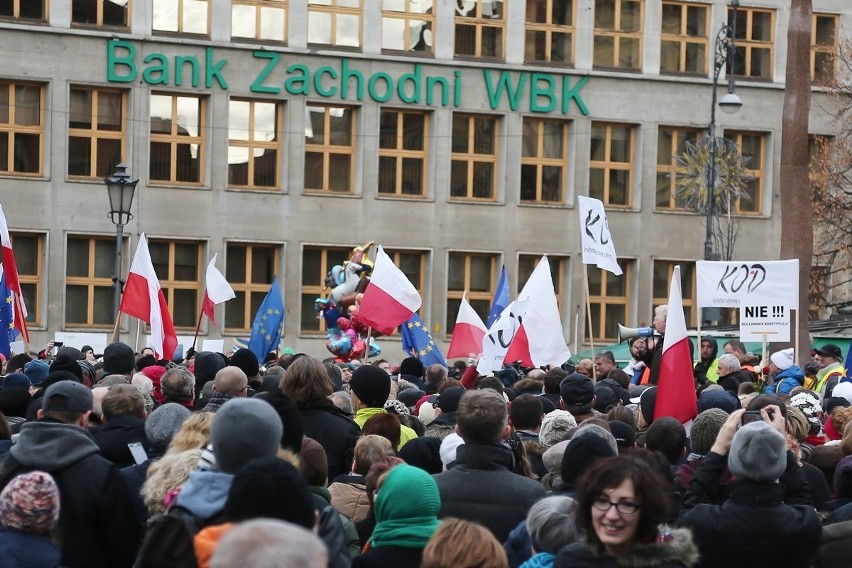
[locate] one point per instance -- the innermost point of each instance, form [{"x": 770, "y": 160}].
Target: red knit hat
[{"x": 30, "y": 502}]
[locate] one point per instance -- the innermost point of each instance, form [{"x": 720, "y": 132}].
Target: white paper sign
[
  {"x": 728, "y": 284},
  {"x": 758, "y": 320},
  {"x": 17, "y": 347},
  {"x": 97, "y": 341},
  {"x": 214, "y": 345},
  {"x": 598, "y": 248}
]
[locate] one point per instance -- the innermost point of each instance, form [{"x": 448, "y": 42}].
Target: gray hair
[
  {"x": 178, "y": 384},
  {"x": 268, "y": 543},
  {"x": 343, "y": 401},
  {"x": 662, "y": 311},
  {"x": 550, "y": 524},
  {"x": 730, "y": 361}
]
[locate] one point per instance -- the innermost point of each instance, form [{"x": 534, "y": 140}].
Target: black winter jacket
[{"x": 336, "y": 433}]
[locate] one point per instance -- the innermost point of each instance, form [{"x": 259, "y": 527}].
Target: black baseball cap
[
  {"x": 67, "y": 396},
  {"x": 576, "y": 390}
]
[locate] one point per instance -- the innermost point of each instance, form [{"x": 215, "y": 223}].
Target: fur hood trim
[{"x": 679, "y": 549}]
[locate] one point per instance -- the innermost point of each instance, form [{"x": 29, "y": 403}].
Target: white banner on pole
[
  {"x": 729, "y": 284},
  {"x": 598, "y": 248},
  {"x": 770, "y": 321}
]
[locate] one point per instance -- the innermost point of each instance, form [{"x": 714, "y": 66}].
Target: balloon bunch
[{"x": 347, "y": 335}]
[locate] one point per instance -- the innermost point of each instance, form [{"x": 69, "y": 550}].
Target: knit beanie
[
  {"x": 371, "y": 385},
  {"x": 555, "y": 427},
  {"x": 37, "y": 371},
  {"x": 783, "y": 359},
  {"x": 14, "y": 401},
  {"x": 119, "y": 359},
  {"x": 207, "y": 364},
  {"x": 64, "y": 362},
  {"x": 145, "y": 361},
  {"x": 313, "y": 462},
  {"x": 705, "y": 428},
  {"x": 246, "y": 360},
  {"x": 648, "y": 404},
  {"x": 718, "y": 398},
  {"x": 16, "y": 380},
  {"x": 30, "y": 503},
  {"x": 244, "y": 429},
  {"x": 87, "y": 369},
  {"x": 758, "y": 452},
  {"x": 411, "y": 366},
  {"x": 162, "y": 424},
  {"x": 583, "y": 451},
  {"x": 273, "y": 488},
  {"x": 409, "y": 397},
  {"x": 449, "y": 449},
  {"x": 423, "y": 452},
  {"x": 406, "y": 508}
]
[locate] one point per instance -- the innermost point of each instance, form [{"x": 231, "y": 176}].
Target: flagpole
[
  {"x": 589, "y": 313},
  {"x": 367, "y": 350},
  {"x": 115, "y": 328},
  {"x": 197, "y": 327},
  {"x": 138, "y": 329}
]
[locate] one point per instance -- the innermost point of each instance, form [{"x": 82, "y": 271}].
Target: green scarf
[{"x": 407, "y": 506}]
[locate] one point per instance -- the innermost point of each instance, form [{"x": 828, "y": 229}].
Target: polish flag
[
  {"x": 218, "y": 290},
  {"x": 675, "y": 385},
  {"x": 467, "y": 333},
  {"x": 143, "y": 299},
  {"x": 10, "y": 269},
  {"x": 390, "y": 299}
]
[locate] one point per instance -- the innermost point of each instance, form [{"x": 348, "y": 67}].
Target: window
[
  {"x": 663, "y": 270},
  {"x": 751, "y": 145},
  {"x": 96, "y": 132},
  {"x": 254, "y": 144},
  {"x": 249, "y": 269},
  {"x": 177, "y": 139},
  {"x": 609, "y": 298},
  {"x": 403, "y": 139},
  {"x": 330, "y": 149},
  {"x": 89, "y": 291},
  {"x": 177, "y": 266},
  {"x": 112, "y": 13},
  {"x": 316, "y": 262},
  {"x": 182, "y": 16},
  {"x": 618, "y": 34},
  {"x": 335, "y": 22},
  {"x": 21, "y": 128},
  {"x": 407, "y": 25},
  {"x": 558, "y": 265},
  {"x": 611, "y": 163},
  {"x": 29, "y": 255},
  {"x": 671, "y": 142},
  {"x": 819, "y": 157},
  {"x": 23, "y": 9},
  {"x": 543, "y": 161},
  {"x": 823, "y": 48},
  {"x": 480, "y": 28},
  {"x": 413, "y": 265},
  {"x": 474, "y": 157},
  {"x": 819, "y": 291},
  {"x": 259, "y": 19},
  {"x": 755, "y": 42},
  {"x": 684, "y": 38},
  {"x": 550, "y": 31},
  {"x": 475, "y": 274}
]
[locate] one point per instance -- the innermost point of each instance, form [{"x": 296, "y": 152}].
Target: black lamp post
[
  {"x": 726, "y": 44},
  {"x": 120, "y": 189}
]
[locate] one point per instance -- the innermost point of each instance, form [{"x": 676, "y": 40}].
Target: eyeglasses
[{"x": 623, "y": 507}]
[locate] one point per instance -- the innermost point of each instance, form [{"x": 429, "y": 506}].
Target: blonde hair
[
  {"x": 797, "y": 424},
  {"x": 194, "y": 433},
  {"x": 167, "y": 473},
  {"x": 846, "y": 441},
  {"x": 463, "y": 544}
]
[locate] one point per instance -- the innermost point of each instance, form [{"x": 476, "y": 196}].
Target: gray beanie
[
  {"x": 162, "y": 425},
  {"x": 244, "y": 429},
  {"x": 705, "y": 429},
  {"x": 555, "y": 427},
  {"x": 758, "y": 452}
]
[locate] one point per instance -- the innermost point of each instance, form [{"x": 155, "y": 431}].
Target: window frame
[
  {"x": 90, "y": 281},
  {"x": 327, "y": 150},
  {"x": 34, "y": 315},
  {"x": 758, "y": 174},
  {"x": 607, "y": 165},
  {"x": 479, "y": 24},
  {"x": 606, "y": 299},
  {"x": 558, "y": 269},
  {"x": 94, "y": 134},
  {"x": 618, "y": 35},
  {"x": 470, "y": 295},
  {"x": 169, "y": 285},
  {"x": 683, "y": 39},
  {"x": 259, "y": 5},
  {"x": 472, "y": 158},
  {"x": 400, "y": 154},
  {"x": 317, "y": 290},
  {"x": 16, "y": 11},
  {"x": 540, "y": 162},
  {"x": 12, "y": 129},
  {"x": 746, "y": 45},
  {"x": 819, "y": 48},
  {"x": 418, "y": 283},
  {"x": 689, "y": 302},
  {"x": 334, "y": 10},
  {"x": 128, "y": 9},
  {"x": 250, "y": 287},
  {"x": 180, "y": 20},
  {"x": 253, "y": 145},
  {"x": 175, "y": 140},
  {"x": 670, "y": 169},
  {"x": 548, "y": 28},
  {"x": 406, "y": 16}
]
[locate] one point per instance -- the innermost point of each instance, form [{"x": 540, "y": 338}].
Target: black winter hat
[
  {"x": 576, "y": 390},
  {"x": 207, "y": 364},
  {"x": 247, "y": 361},
  {"x": 270, "y": 487},
  {"x": 118, "y": 359},
  {"x": 581, "y": 453},
  {"x": 409, "y": 397},
  {"x": 423, "y": 452},
  {"x": 14, "y": 401},
  {"x": 65, "y": 362},
  {"x": 371, "y": 385},
  {"x": 145, "y": 361},
  {"x": 411, "y": 366}
]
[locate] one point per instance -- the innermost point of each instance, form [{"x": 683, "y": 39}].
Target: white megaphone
[{"x": 627, "y": 333}]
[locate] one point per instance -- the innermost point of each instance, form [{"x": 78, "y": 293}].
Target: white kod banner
[
  {"x": 728, "y": 284},
  {"x": 598, "y": 248}
]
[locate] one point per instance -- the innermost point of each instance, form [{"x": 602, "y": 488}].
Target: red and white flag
[
  {"x": 675, "y": 385},
  {"x": 217, "y": 290},
  {"x": 143, "y": 299},
  {"x": 390, "y": 299},
  {"x": 12, "y": 282},
  {"x": 467, "y": 333}
]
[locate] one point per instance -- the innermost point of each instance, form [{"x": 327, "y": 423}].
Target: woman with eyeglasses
[{"x": 620, "y": 504}]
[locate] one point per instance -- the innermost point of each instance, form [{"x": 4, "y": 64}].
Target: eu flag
[
  {"x": 266, "y": 329},
  {"x": 8, "y": 331},
  {"x": 418, "y": 342},
  {"x": 501, "y": 299}
]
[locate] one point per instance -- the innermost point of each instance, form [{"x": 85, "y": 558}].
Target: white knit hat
[{"x": 783, "y": 359}]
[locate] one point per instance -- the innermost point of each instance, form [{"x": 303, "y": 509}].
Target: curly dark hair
[{"x": 609, "y": 473}]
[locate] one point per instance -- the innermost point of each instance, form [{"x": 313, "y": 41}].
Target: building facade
[{"x": 279, "y": 134}]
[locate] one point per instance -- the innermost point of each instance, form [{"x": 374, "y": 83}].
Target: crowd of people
[{"x": 119, "y": 459}]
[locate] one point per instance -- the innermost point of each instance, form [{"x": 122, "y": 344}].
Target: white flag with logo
[
  {"x": 598, "y": 248},
  {"x": 499, "y": 337}
]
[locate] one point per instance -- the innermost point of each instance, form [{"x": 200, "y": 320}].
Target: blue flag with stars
[
  {"x": 8, "y": 331},
  {"x": 266, "y": 329},
  {"x": 418, "y": 342}
]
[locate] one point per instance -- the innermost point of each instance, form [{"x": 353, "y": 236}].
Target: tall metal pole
[{"x": 119, "y": 229}]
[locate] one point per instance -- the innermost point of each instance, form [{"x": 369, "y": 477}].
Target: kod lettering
[{"x": 735, "y": 277}]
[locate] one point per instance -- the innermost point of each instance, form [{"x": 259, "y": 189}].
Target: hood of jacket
[
  {"x": 794, "y": 372},
  {"x": 678, "y": 548},
  {"x": 205, "y": 493},
  {"x": 713, "y": 344},
  {"x": 51, "y": 446}
]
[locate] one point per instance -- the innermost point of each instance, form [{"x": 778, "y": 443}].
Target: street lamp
[
  {"x": 120, "y": 189},
  {"x": 726, "y": 44}
]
